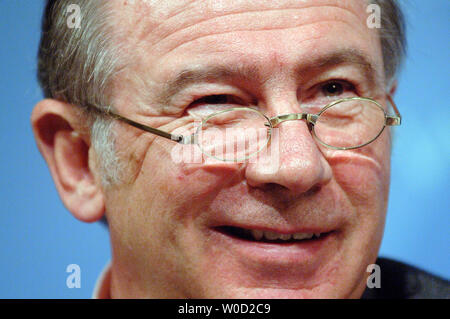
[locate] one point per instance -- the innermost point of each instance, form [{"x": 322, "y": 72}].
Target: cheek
[
  {"x": 154, "y": 219},
  {"x": 363, "y": 183},
  {"x": 364, "y": 174},
  {"x": 182, "y": 191}
]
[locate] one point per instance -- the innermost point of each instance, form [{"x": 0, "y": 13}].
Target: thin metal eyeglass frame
[{"x": 310, "y": 118}]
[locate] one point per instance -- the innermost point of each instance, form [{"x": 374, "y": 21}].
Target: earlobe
[{"x": 56, "y": 126}]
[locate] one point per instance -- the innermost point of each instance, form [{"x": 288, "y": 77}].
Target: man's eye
[
  {"x": 210, "y": 104},
  {"x": 333, "y": 89},
  {"x": 216, "y": 99}
]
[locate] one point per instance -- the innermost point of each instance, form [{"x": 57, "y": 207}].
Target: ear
[{"x": 58, "y": 130}]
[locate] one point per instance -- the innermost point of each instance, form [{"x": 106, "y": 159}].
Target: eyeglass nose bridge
[{"x": 277, "y": 120}]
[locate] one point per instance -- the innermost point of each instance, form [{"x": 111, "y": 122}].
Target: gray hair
[
  {"x": 78, "y": 65},
  {"x": 392, "y": 36}
]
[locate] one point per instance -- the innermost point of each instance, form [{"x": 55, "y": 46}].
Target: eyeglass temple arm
[
  {"x": 174, "y": 137},
  {"x": 393, "y": 120}
]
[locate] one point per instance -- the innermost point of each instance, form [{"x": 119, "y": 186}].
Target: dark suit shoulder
[{"x": 403, "y": 281}]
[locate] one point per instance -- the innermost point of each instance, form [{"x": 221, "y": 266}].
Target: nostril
[
  {"x": 280, "y": 189},
  {"x": 269, "y": 187},
  {"x": 313, "y": 190}
]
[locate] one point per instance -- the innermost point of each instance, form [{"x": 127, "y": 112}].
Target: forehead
[
  {"x": 169, "y": 34},
  {"x": 185, "y": 12}
]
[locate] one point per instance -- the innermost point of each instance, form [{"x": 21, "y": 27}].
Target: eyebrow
[
  {"x": 194, "y": 75},
  {"x": 199, "y": 74},
  {"x": 348, "y": 56}
]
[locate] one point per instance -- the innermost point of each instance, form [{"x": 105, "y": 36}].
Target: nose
[{"x": 296, "y": 162}]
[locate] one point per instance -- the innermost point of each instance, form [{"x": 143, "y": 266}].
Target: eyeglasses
[{"x": 238, "y": 133}]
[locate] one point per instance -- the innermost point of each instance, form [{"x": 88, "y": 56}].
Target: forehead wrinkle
[
  {"x": 138, "y": 19},
  {"x": 221, "y": 24},
  {"x": 203, "y": 11},
  {"x": 147, "y": 27},
  {"x": 144, "y": 29},
  {"x": 145, "y": 20}
]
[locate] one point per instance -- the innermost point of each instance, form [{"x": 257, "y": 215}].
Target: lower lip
[{"x": 305, "y": 251}]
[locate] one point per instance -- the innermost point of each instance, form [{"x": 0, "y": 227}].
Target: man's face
[{"x": 175, "y": 227}]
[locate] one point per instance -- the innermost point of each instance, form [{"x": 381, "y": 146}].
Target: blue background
[{"x": 39, "y": 237}]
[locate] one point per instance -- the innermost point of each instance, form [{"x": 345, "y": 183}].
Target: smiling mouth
[{"x": 270, "y": 236}]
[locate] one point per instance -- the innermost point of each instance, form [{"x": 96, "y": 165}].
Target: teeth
[
  {"x": 259, "y": 234},
  {"x": 285, "y": 236},
  {"x": 271, "y": 235},
  {"x": 300, "y": 236}
]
